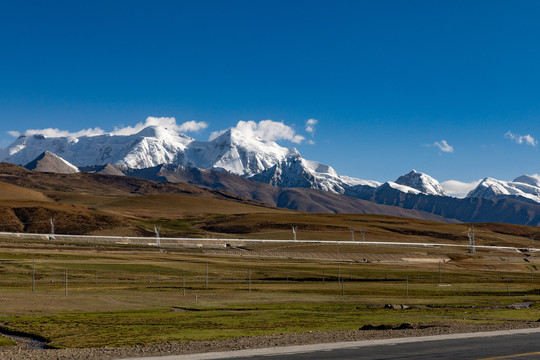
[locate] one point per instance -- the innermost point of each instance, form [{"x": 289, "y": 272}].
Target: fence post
[
  {"x": 183, "y": 284},
  {"x": 66, "y": 282},
  {"x": 439, "y": 272},
  {"x": 407, "y": 287},
  {"x": 34, "y": 275}
]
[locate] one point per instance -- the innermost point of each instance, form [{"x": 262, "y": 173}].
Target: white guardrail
[{"x": 164, "y": 242}]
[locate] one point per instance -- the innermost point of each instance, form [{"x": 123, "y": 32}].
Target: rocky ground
[{"x": 25, "y": 351}]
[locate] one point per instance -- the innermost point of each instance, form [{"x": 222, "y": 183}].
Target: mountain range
[{"x": 253, "y": 168}]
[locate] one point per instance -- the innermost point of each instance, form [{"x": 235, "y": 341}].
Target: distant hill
[
  {"x": 49, "y": 162},
  {"x": 241, "y": 195}
]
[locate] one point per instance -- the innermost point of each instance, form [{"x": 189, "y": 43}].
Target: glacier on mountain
[
  {"x": 150, "y": 147},
  {"x": 521, "y": 187},
  {"x": 232, "y": 151}
]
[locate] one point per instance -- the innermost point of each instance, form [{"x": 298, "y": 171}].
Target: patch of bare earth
[{"x": 251, "y": 342}]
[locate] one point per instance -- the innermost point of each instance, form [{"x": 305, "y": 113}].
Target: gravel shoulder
[{"x": 251, "y": 342}]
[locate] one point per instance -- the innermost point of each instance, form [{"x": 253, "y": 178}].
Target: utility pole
[
  {"x": 471, "y": 240},
  {"x": 249, "y": 281},
  {"x": 52, "y": 225},
  {"x": 363, "y": 232},
  {"x": 352, "y": 233},
  {"x": 156, "y": 229}
]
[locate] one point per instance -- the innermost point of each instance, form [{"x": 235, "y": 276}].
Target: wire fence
[{"x": 305, "y": 277}]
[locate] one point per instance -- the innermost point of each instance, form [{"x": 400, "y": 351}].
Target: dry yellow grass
[
  {"x": 9, "y": 192},
  {"x": 172, "y": 206}
]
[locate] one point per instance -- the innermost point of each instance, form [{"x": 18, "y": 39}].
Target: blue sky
[{"x": 386, "y": 80}]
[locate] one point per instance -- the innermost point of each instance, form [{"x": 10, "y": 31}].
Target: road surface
[{"x": 521, "y": 344}]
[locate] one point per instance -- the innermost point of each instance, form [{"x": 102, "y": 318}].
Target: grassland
[{"x": 132, "y": 296}]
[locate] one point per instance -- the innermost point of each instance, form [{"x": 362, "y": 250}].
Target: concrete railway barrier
[{"x": 216, "y": 243}]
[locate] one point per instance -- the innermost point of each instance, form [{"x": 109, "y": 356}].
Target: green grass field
[{"x": 133, "y": 296}]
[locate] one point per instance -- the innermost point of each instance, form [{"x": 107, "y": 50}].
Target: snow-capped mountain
[
  {"x": 150, "y": 147},
  {"x": 233, "y": 151},
  {"x": 421, "y": 182},
  {"x": 294, "y": 171},
  {"x": 237, "y": 153},
  {"x": 490, "y": 188}
]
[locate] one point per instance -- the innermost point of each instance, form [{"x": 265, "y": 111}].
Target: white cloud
[
  {"x": 167, "y": 122},
  {"x": 521, "y": 139},
  {"x": 443, "y": 146},
  {"x": 310, "y": 125},
  {"x": 311, "y": 142},
  {"x": 457, "y": 188},
  {"x": 268, "y": 130},
  {"x": 53, "y": 133},
  {"x": 192, "y": 126}
]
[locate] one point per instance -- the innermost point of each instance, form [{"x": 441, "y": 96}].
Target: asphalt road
[
  {"x": 506, "y": 347},
  {"x": 515, "y": 344}
]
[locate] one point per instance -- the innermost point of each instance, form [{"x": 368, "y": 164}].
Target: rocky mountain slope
[{"x": 49, "y": 162}]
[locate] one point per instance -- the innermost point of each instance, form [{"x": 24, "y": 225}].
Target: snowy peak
[
  {"x": 294, "y": 171},
  {"x": 290, "y": 172},
  {"x": 150, "y": 147},
  {"x": 49, "y": 162},
  {"x": 234, "y": 151},
  {"x": 533, "y": 180},
  {"x": 490, "y": 188},
  {"x": 421, "y": 182},
  {"x": 237, "y": 153},
  {"x": 160, "y": 132}
]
